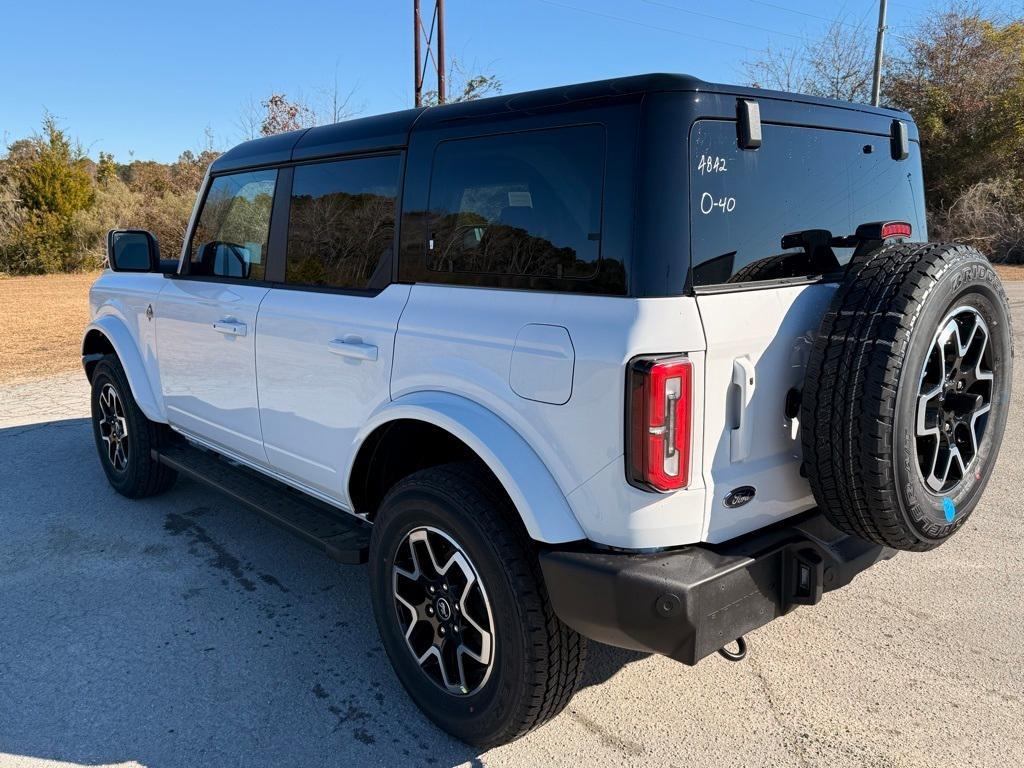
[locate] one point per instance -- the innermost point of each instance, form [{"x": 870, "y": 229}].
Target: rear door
[
  {"x": 206, "y": 318},
  {"x": 326, "y": 337},
  {"x": 760, "y": 303}
]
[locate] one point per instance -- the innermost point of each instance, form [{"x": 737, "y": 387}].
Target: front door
[
  {"x": 206, "y": 318},
  {"x": 326, "y": 338}
]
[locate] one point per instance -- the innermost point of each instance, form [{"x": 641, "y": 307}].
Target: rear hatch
[{"x": 761, "y": 302}]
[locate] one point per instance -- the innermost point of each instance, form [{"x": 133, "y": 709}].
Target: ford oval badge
[{"x": 737, "y": 497}]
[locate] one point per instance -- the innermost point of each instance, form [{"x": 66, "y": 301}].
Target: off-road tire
[
  {"x": 141, "y": 476},
  {"x": 538, "y": 660},
  {"x": 861, "y": 394}
]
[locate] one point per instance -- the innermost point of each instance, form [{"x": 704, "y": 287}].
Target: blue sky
[{"x": 148, "y": 79}]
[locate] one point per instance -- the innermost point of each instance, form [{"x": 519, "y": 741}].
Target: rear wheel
[
  {"x": 462, "y": 609},
  {"x": 125, "y": 438},
  {"x": 906, "y": 394}
]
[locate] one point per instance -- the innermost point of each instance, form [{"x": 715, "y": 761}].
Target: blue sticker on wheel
[{"x": 949, "y": 508}]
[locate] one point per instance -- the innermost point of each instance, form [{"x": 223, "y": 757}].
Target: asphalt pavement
[{"x": 185, "y": 631}]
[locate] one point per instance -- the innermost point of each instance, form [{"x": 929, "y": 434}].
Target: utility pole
[
  {"x": 424, "y": 36},
  {"x": 876, "y": 81}
]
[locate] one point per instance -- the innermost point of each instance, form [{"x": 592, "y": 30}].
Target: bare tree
[
  {"x": 250, "y": 117},
  {"x": 279, "y": 113},
  {"x": 283, "y": 115},
  {"x": 837, "y": 66},
  {"x": 781, "y": 69},
  {"x": 335, "y": 105},
  {"x": 461, "y": 86}
]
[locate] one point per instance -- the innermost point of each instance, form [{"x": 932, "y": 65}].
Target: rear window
[
  {"x": 526, "y": 204},
  {"x": 820, "y": 182}
]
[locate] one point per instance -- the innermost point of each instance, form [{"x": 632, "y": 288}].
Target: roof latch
[
  {"x": 748, "y": 123},
  {"x": 899, "y": 137}
]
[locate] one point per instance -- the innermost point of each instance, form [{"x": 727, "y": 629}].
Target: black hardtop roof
[{"x": 392, "y": 130}]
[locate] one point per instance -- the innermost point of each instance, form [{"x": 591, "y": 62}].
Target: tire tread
[{"x": 848, "y": 411}]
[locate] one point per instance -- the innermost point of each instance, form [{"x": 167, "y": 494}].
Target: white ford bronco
[{"x": 647, "y": 361}]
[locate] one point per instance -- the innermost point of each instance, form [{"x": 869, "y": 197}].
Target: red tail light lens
[
  {"x": 658, "y": 422},
  {"x": 896, "y": 229}
]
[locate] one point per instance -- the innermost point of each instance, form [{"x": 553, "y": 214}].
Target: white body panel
[
  {"x": 117, "y": 306},
  {"x": 461, "y": 341},
  {"x": 323, "y": 363},
  {"x": 533, "y": 491},
  {"x": 534, "y": 383},
  {"x": 758, "y": 342},
  {"x": 206, "y": 333}
]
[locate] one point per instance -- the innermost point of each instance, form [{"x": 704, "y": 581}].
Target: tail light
[
  {"x": 896, "y": 229},
  {"x": 659, "y": 412},
  {"x": 883, "y": 230}
]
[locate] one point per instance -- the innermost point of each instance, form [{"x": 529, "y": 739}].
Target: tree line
[
  {"x": 959, "y": 73},
  {"x": 57, "y": 204}
]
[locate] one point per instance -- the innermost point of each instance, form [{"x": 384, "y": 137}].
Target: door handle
[
  {"x": 743, "y": 381},
  {"x": 230, "y": 327},
  {"x": 353, "y": 347}
]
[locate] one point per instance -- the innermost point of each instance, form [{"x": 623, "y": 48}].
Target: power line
[
  {"x": 860, "y": 26},
  {"x": 722, "y": 19},
  {"x": 778, "y": 7},
  {"x": 840, "y": 22},
  {"x": 634, "y": 22}
]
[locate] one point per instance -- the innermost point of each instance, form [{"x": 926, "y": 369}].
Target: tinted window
[
  {"x": 817, "y": 182},
  {"x": 518, "y": 204},
  {"x": 230, "y": 239},
  {"x": 342, "y": 222}
]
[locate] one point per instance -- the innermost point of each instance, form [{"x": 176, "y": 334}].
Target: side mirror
[{"x": 133, "y": 250}]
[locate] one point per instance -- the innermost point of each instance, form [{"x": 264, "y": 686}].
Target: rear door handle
[
  {"x": 743, "y": 381},
  {"x": 230, "y": 327},
  {"x": 353, "y": 347}
]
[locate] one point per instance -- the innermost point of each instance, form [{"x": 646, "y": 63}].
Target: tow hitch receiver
[{"x": 805, "y": 575}]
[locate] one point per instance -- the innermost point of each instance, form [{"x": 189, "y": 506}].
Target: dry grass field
[
  {"x": 41, "y": 321},
  {"x": 42, "y": 318},
  {"x": 1010, "y": 271}
]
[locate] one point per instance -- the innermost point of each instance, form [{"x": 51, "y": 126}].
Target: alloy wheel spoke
[
  {"x": 954, "y": 394},
  {"x": 443, "y": 611}
]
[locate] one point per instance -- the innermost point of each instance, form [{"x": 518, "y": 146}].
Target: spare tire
[{"x": 906, "y": 393}]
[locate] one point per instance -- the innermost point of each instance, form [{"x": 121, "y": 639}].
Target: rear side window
[
  {"x": 230, "y": 238},
  {"x": 342, "y": 222},
  {"x": 821, "y": 183},
  {"x": 524, "y": 204}
]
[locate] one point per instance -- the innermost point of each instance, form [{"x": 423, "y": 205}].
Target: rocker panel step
[{"x": 341, "y": 539}]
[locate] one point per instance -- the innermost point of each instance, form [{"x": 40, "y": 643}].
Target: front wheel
[
  {"x": 124, "y": 436},
  {"x": 462, "y": 609}
]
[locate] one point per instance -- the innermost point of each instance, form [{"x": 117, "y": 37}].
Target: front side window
[
  {"x": 230, "y": 238},
  {"x": 342, "y": 222},
  {"x": 526, "y": 204}
]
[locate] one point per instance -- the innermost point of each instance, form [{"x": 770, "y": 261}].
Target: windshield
[{"x": 822, "y": 183}]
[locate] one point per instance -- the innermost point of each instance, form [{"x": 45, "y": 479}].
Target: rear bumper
[{"x": 688, "y": 603}]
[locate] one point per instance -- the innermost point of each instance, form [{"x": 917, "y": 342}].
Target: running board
[{"x": 341, "y": 539}]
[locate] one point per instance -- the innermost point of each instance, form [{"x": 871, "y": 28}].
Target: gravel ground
[{"x": 185, "y": 631}]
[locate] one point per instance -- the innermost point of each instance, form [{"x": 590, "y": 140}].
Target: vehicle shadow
[{"x": 184, "y": 630}]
